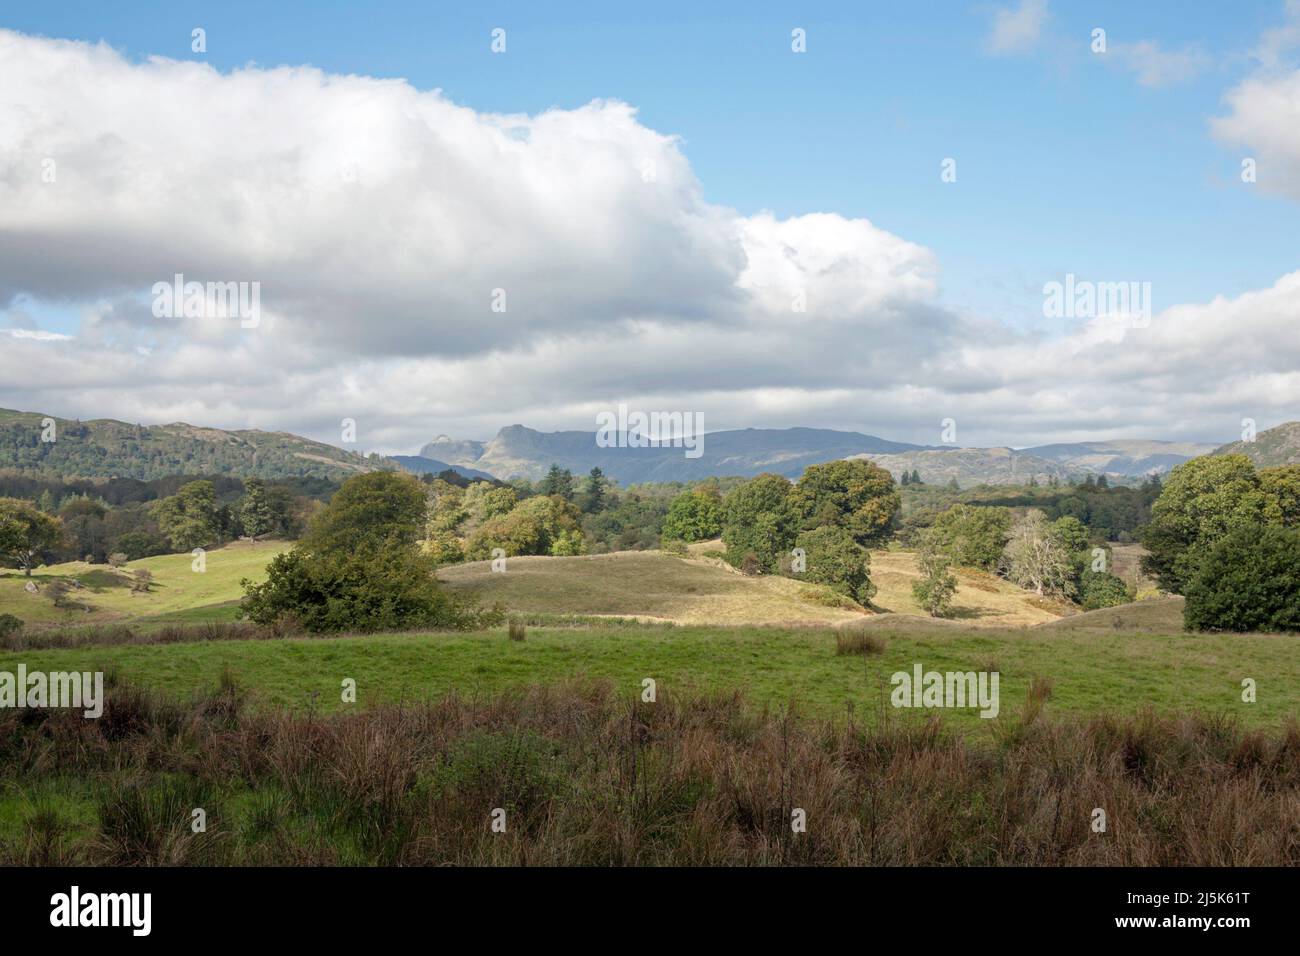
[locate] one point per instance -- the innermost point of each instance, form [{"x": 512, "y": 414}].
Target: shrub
[
  {"x": 388, "y": 587},
  {"x": 823, "y": 596},
  {"x": 117, "y": 559},
  {"x": 1248, "y": 581},
  {"x": 1098, "y": 589},
  {"x": 9, "y": 625},
  {"x": 938, "y": 584}
]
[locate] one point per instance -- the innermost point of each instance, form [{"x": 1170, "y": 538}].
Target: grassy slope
[
  {"x": 653, "y": 585},
  {"x": 178, "y": 592},
  {"x": 1092, "y": 670},
  {"x": 645, "y": 584},
  {"x": 981, "y": 599}
]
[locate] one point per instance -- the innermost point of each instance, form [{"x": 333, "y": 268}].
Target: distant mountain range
[
  {"x": 1131, "y": 459},
  {"x": 106, "y": 448},
  {"x": 517, "y": 451}
]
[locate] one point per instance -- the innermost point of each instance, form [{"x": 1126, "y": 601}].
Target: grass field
[
  {"x": 178, "y": 593},
  {"x": 1091, "y": 670},
  {"x": 769, "y": 637},
  {"x": 755, "y": 709}
]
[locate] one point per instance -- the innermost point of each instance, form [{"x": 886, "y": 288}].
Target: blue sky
[
  {"x": 812, "y": 173},
  {"x": 1065, "y": 163}
]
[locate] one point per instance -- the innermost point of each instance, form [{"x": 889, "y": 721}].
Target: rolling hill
[
  {"x": 655, "y": 586},
  {"x": 177, "y": 593},
  {"x": 1271, "y": 448},
  {"x": 106, "y": 448}
]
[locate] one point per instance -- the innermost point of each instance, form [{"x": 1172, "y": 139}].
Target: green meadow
[{"x": 1090, "y": 672}]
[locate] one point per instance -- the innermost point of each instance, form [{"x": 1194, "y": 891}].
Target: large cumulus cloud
[{"x": 379, "y": 220}]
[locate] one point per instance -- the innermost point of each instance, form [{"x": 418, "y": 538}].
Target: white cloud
[
  {"x": 1275, "y": 44},
  {"x": 1264, "y": 110},
  {"x": 1017, "y": 29},
  {"x": 36, "y": 334},
  {"x": 379, "y": 218},
  {"x": 1154, "y": 66},
  {"x": 1265, "y": 120}
]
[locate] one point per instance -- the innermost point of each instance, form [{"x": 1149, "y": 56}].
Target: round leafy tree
[
  {"x": 835, "y": 559},
  {"x": 760, "y": 520},
  {"x": 854, "y": 494},
  {"x": 1202, "y": 500},
  {"x": 1249, "y": 580},
  {"x": 694, "y": 515}
]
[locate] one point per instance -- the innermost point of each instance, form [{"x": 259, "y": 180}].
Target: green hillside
[
  {"x": 105, "y": 448},
  {"x": 177, "y": 593},
  {"x": 1270, "y": 449}
]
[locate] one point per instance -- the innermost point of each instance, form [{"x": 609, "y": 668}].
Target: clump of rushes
[
  {"x": 517, "y": 630},
  {"x": 859, "y": 642}
]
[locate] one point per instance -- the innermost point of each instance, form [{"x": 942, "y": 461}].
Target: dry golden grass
[
  {"x": 653, "y": 586},
  {"x": 647, "y": 585},
  {"x": 1163, "y": 615},
  {"x": 982, "y": 600}
]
